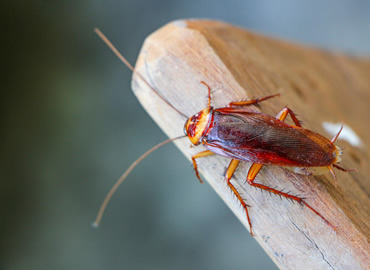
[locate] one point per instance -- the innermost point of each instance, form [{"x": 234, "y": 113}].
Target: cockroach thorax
[{"x": 197, "y": 125}]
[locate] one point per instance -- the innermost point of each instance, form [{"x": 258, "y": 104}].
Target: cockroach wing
[{"x": 261, "y": 138}]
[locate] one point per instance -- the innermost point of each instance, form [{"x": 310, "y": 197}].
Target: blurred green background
[{"x": 70, "y": 126}]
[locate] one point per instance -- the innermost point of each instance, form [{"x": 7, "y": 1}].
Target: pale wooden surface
[{"x": 317, "y": 85}]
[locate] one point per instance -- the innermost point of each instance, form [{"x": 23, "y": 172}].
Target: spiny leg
[
  {"x": 343, "y": 169},
  {"x": 229, "y": 173},
  {"x": 339, "y": 168},
  {"x": 205, "y": 153},
  {"x": 250, "y": 102},
  {"x": 253, "y": 171},
  {"x": 284, "y": 113},
  {"x": 330, "y": 168}
]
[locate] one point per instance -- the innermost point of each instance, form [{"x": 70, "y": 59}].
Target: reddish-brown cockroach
[{"x": 242, "y": 134}]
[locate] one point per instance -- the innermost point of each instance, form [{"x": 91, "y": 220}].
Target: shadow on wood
[{"x": 320, "y": 86}]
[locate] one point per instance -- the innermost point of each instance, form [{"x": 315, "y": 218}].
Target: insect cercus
[{"x": 242, "y": 134}]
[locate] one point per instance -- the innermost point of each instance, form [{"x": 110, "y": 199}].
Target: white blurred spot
[
  {"x": 180, "y": 23},
  {"x": 347, "y": 133}
]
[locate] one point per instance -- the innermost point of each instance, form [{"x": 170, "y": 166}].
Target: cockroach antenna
[
  {"x": 124, "y": 176},
  {"x": 136, "y": 162},
  {"x": 123, "y": 60}
]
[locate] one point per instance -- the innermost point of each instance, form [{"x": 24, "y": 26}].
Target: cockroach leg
[
  {"x": 250, "y": 102},
  {"x": 339, "y": 168},
  {"x": 344, "y": 170},
  {"x": 333, "y": 174},
  {"x": 205, "y": 153},
  {"x": 284, "y": 113},
  {"x": 229, "y": 173},
  {"x": 252, "y": 173},
  {"x": 231, "y": 169}
]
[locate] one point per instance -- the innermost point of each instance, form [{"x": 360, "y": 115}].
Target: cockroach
[{"x": 242, "y": 134}]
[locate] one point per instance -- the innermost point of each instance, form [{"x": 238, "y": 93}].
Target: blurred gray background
[{"x": 70, "y": 126}]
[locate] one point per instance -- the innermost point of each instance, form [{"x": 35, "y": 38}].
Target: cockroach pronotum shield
[{"x": 242, "y": 134}]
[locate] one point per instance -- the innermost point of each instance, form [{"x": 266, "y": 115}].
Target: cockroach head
[{"x": 197, "y": 125}]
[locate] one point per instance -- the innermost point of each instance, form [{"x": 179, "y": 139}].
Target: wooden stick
[{"x": 321, "y": 87}]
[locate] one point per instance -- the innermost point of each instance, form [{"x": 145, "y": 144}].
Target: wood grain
[{"x": 318, "y": 85}]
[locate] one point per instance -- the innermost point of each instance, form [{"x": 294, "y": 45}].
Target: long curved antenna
[
  {"x": 123, "y": 60},
  {"x": 124, "y": 176}
]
